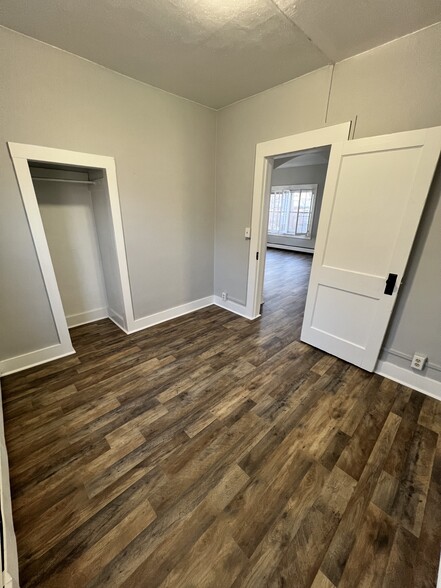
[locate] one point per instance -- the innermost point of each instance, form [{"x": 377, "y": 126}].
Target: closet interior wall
[{"x": 73, "y": 204}]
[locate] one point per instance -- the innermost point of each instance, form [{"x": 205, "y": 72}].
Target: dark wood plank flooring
[{"x": 211, "y": 451}]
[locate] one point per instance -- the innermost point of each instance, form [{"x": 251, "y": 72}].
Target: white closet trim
[{"x": 21, "y": 154}]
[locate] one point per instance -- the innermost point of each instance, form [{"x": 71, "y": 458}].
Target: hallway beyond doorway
[{"x": 286, "y": 284}]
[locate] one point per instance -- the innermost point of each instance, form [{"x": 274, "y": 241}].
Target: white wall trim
[
  {"x": 234, "y": 307},
  {"x": 171, "y": 313},
  {"x": 33, "y": 358},
  {"x": 265, "y": 153},
  {"x": 20, "y": 155},
  {"x": 40, "y": 356},
  {"x": 407, "y": 357},
  {"x": 409, "y": 378},
  {"x": 117, "y": 319},
  {"x": 10, "y": 555},
  {"x": 89, "y": 316}
]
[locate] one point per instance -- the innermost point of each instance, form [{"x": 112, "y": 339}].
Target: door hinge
[{"x": 257, "y": 255}]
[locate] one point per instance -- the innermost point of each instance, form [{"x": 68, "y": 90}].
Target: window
[{"x": 291, "y": 210}]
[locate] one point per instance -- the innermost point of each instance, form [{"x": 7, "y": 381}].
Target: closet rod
[{"x": 63, "y": 180}]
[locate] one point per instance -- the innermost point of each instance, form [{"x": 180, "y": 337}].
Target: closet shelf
[{"x": 63, "y": 180}]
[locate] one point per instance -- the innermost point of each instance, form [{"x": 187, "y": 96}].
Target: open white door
[{"x": 374, "y": 196}]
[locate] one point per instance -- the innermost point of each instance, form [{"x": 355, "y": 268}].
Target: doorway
[
  {"x": 72, "y": 205},
  {"x": 266, "y": 155},
  {"x": 360, "y": 256},
  {"x": 271, "y": 157},
  {"x": 297, "y": 185}
]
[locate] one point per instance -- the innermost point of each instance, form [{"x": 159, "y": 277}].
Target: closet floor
[{"x": 211, "y": 451}]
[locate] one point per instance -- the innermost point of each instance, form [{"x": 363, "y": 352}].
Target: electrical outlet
[
  {"x": 224, "y": 296},
  {"x": 418, "y": 361}
]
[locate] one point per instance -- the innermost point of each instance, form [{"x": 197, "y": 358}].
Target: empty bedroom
[{"x": 220, "y": 318}]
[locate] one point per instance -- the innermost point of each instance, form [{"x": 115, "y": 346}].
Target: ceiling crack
[{"x": 319, "y": 49}]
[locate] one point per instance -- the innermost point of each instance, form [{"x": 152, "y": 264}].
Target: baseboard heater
[{"x": 290, "y": 248}]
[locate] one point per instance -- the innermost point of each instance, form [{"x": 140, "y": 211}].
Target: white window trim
[{"x": 293, "y": 187}]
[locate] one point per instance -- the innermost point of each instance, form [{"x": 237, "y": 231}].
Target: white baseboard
[
  {"x": 171, "y": 313},
  {"x": 430, "y": 366},
  {"x": 409, "y": 378},
  {"x": 82, "y": 318},
  {"x": 112, "y": 318},
  {"x": 233, "y": 307},
  {"x": 119, "y": 320},
  {"x": 8, "y": 581},
  {"x": 34, "y": 358},
  {"x": 9, "y": 555}
]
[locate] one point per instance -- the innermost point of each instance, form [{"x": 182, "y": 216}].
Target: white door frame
[
  {"x": 265, "y": 153},
  {"x": 21, "y": 154}
]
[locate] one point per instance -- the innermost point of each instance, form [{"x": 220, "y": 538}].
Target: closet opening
[
  {"x": 72, "y": 205},
  {"x": 76, "y": 232}
]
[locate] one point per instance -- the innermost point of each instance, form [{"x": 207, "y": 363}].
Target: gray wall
[
  {"x": 164, "y": 148},
  {"x": 305, "y": 174},
  {"x": 393, "y": 88},
  {"x": 292, "y": 108},
  {"x": 416, "y": 324},
  {"x": 52, "y": 98}
]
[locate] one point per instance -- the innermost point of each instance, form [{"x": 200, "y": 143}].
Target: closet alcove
[
  {"x": 74, "y": 208},
  {"x": 66, "y": 197},
  {"x": 72, "y": 205}
]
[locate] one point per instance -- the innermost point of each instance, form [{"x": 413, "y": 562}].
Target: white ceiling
[
  {"x": 316, "y": 156},
  {"x": 217, "y": 51}
]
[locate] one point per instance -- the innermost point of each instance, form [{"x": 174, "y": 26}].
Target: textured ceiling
[{"x": 216, "y": 51}]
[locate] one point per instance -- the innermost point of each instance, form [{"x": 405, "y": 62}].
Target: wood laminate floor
[{"x": 211, "y": 451}]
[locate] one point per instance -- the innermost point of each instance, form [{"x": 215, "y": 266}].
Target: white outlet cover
[{"x": 418, "y": 361}]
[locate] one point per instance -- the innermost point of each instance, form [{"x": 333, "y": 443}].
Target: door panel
[
  {"x": 374, "y": 196},
  {"x": 377, "y": 182}
]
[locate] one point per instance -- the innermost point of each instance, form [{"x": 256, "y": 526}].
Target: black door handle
[{"x": 390, "y": 284}]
